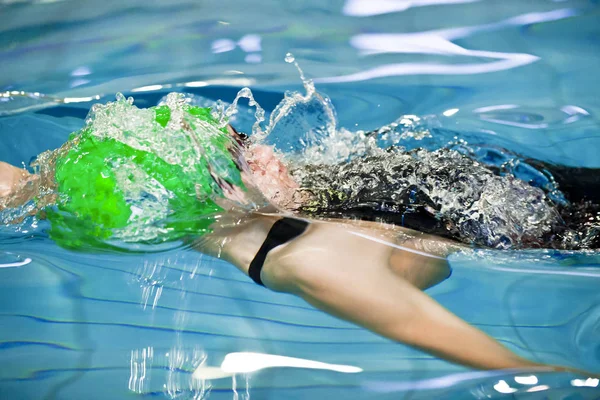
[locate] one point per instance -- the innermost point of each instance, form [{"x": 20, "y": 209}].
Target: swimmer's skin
[
  {"x": 361, "y": 280},
  {"x": 369, "y": 283}
]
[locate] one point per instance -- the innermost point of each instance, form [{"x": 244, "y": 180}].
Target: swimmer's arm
[
  {"x": 351, "y": 278},
  {"x": 356, "y": 279},
  {"x": 397, "y": 310}
]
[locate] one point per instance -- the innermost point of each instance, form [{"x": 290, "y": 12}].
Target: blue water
[{"x": 516, "y": 74}]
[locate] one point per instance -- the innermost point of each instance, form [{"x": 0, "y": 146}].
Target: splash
[
  {"x": 412, "y": 166},
  {"x": 470, "y": 191},
  {"x": 293, "y": 99},
  {"x": 257, "y": 132},
  {"x": 240, "y": 117},
  {"x": 302, "y": 125}
]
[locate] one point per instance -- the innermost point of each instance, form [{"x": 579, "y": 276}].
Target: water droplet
[{"x": 289, "y": 58}]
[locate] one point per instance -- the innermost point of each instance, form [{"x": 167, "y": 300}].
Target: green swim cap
[{"x": 141, "y": 175}]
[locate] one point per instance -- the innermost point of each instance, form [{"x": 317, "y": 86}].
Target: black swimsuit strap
[{"x": 281, "y": 232}]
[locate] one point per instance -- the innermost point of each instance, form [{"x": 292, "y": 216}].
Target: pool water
[{"x": 519, "y": 75}]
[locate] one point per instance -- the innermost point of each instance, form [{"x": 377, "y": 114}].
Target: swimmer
[{"x": 369, "y": 273}]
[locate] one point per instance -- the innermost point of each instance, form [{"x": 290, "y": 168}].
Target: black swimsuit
[
  {"x": 281, "y": 232},
  {"x": 440, "y": 192}
]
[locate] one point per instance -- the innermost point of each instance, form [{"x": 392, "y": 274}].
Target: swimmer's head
[{"x": 152, "y": 174}]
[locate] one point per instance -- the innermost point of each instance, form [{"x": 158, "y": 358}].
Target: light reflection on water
[
  {"x": 440, "y": 42},
  {"x": 106, "y": 326}
]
